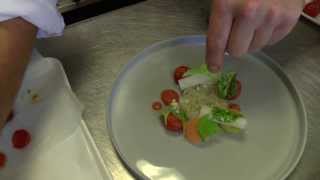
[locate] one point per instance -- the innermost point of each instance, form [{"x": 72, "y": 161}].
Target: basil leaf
[
  {"x": 207, "y": 128},
  {"x": 227, "y": 85}
]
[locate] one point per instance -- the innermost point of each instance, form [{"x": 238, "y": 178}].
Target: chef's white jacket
[{"x": 41, "y": 13}]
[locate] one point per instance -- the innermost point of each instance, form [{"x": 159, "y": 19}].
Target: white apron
[{"x": 41, "y": 13}]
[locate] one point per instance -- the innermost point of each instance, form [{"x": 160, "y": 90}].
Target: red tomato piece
[
  {"x": 234, "y": 107},
  {"x": 312, "y": 8},
  {"x": 156, "y": 105},
  {"x": 174, "y": 124},
  {"x": 3, "y": 160},
  {"x": 168, "y": 95},
  {"x": 21, "y": 138},
  {"x": 10, "y": 116},
  {"x": 179, "y": 72},
  {"x": 239, "y": 88}
]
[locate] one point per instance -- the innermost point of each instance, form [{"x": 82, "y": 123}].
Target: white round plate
[{"x": 269, "y": 150}]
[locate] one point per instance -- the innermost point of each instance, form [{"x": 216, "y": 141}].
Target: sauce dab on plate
[{"x": 156, "y": 105}]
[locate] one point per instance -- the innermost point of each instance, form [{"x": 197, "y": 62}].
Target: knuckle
[
  {"x": 216, "y": 48},
  {"x": 273, "y": 15},
  {"x": 219, "y": 8},
  {"x": 250, "y": 9}
]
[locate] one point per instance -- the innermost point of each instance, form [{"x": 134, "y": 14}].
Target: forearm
[{"x": 16, "y": 41}]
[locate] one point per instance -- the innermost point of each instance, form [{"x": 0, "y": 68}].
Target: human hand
[
  {"x": 16, "y": 42},
  {"x": 241, "y": 26}
]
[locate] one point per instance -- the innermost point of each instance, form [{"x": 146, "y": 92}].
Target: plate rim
[{"x": 201, "y": 39}]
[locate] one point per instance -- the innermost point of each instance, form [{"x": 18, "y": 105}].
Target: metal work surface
[
  {"x": 94, "y": 51},
  {"x": 67, "y": 5}
]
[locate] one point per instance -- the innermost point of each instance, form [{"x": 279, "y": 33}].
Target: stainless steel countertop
[
  {"x": 68, "y": 5},
  {"x": 94, "y": 51}
]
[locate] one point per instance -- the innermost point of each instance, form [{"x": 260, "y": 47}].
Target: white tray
[
  {"x": 315, "y": 20},
  {"x": 94, "y": 152},
  {"x": 61, "y": 147}
]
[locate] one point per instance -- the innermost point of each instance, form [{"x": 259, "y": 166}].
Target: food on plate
[
  {"x": 179, "y": 72},
  {"x": 173, "y": 123},
  {"x": 228, "y": 87},
  {"x": 312, "y": 8},
  {"x": 202, "y": 107},
  {"x": 156, "y": 105},
  {"x": 3, "y": 160},
  {"x": 191, "y": 132},
  {"x": 21, "y": 138},
  {"x": 168, "y": 95},
  {"x": 234, "y": 107}
]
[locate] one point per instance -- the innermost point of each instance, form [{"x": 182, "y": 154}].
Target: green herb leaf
[
  {"x": 207, "y": 128},
  {"x": 224, "y": 115},
  {"x": 203, "y": 70},
  {"x": 230, "y": 129},
  {"x": 176, "y": 111},
  {"x": 227, "y": 85},
  {"x": 164, "y": 114},
  {"x": 181, "y": 115}
]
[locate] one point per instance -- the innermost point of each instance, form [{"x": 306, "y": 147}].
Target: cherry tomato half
[
  {"x": 239, "y": 87},
  {"x": 179, "y": 72},
  {"x": 168, "y": 95},
  {"x": 3, "y": 160},
  {"x": 173, "y": 123},
  {"x": 21, "y": 138}
]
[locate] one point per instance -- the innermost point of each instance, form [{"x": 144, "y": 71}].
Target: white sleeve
[{"x": 41, "y": 13}]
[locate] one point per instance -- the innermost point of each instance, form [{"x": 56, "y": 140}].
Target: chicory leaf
[
  {"x": 202, "y": 70},
  {"x": 207, "y": 128}
]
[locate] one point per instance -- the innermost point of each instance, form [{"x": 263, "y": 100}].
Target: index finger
[{"x": 218, "y": 34}]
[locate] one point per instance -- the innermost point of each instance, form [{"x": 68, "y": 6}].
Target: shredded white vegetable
[{"x": 195, "y": 97}]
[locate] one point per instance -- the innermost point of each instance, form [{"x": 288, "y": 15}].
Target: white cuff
[{"x": 41, "y": 13}]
